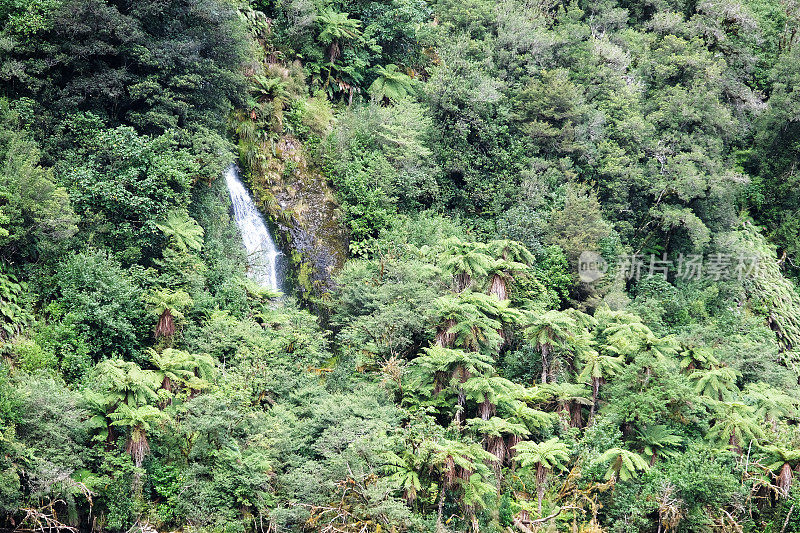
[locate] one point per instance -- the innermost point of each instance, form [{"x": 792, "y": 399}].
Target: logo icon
[{"x": 591, "y": 266}]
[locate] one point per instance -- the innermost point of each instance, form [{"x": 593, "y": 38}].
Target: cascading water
[{"x": 263, "y": 257}]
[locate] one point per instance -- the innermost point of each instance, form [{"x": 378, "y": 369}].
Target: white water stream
[{"x": 263, "y": 257}]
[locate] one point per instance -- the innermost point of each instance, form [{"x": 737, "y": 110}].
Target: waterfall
[{"x": 263, "y": 257}]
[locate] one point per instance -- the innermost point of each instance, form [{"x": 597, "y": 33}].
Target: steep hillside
[{"x": 542, "y": 266}]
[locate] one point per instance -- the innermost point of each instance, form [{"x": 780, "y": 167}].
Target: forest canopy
[{"x": 542, "y": 266}]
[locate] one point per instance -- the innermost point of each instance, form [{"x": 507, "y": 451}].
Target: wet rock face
[{"x": 306, "y": 213}]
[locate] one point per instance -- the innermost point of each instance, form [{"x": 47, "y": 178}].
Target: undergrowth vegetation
[{"x": 569, "y": 300}]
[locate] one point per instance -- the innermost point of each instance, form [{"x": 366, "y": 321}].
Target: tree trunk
[
  {"x": 463, "y": 375},
  {"x": 545, "y": 365},
  {"x": 541, "y": 475},
  {"x": 137, "y": 447},
  {"x": 595, "y": 395},
  {"x": 503, "y": 339},
  {"x": 444, "y": 338},
  {"x": 166, "y": 384},
  {"x": 439, "y": 381},
  {"x": 487, "y": 409},
  {"x": 513, "y": 440},
  {"x": 110, "y": 436},
  {"x": 474, "y": 520},
  {"x": 462, "y": 280},
  {"x": 439, "y": 524},
  {"x": 577, "y": 414},
  {"x": 497, "y": 447},
  {"x": 166, "y": 324},
  {"x": 735, "y": 445},
  {"x": 462, "y": 400},
  {"x": 785, "y": 479},
  {"x": 497, "y": 287},
  {"x": 563, "y": 407},
  {"x": 334, "y": 51}
]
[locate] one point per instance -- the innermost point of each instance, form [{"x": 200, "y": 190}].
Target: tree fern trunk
[
  {"x": 498, "y": 288},
  {"x": 785, "y": 479},
  {"x": 545, "y": 363}
]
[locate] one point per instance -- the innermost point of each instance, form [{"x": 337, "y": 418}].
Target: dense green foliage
[{"x": 459, "y": 374}]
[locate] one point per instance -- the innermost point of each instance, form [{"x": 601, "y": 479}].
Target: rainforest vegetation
[{"x": 454, "y": 370}]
